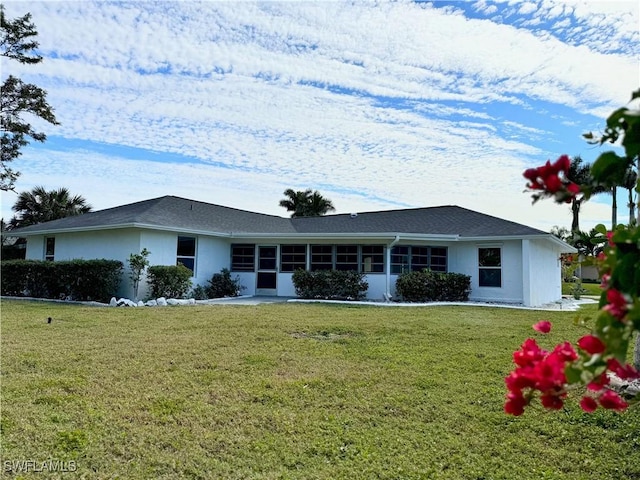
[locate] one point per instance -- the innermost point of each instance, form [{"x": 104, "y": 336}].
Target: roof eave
[
  {"x": 355, "y": 235},
  {"x": 120, "y": 226}
]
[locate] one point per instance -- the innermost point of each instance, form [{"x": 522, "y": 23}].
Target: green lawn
[
  {"x": 592, "y": 289},
  {"x": 290, "y": 391}
]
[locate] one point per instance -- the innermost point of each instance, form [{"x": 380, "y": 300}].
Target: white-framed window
[
  {"x": 243, "y": 257},
  {"x": 321, "y": 257},
  {"x": 49, "y": 248},
  {"x": 347, "y": 257},
  {"x": 415, "y": 258},
  {"x": 490, "y": 267},
  {"x": 186, "y": 252},
  {"x": 293, "y": 257},
  {"x": 372, "y": 259}
]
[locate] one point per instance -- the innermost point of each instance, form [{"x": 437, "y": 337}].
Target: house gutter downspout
[{"x": 387, "y": 295}]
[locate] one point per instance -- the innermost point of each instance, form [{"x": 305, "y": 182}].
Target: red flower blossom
[
  {"x": 515, "y": 404},
  {"x": 553, "y": 183},
  {"x": 552, "y": 178},
  {"x": 551, "y": 401},
  {"x": 617, "y": 305},
  {"x": 529, "y": 353},
  {"x": 573, "y": 188},
  {"x": 599, "y": 383},
  {"x": 591, "y": 344},
  {"x": 610, "y": 238},
  {"x": 543, "y": 326},
  {"x": 588, "y": 404},
  {"x": 563, "y": 163},
  {"x": 566, "y": 352},
  {"x": 625, "y": 372},
  {"x": 612, "y": 401}
]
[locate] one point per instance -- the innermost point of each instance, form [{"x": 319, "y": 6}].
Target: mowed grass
[
  {"x": 592, "y": 289},
  {"x": 291, "y": 391}
]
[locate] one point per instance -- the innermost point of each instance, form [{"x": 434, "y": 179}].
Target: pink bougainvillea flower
[
  {"x": 553, "y": 183},
  {"x": 515, "y": 404},
  {"x": 588, "y": 404},
  {"x": 591, "y": 344},
  {"x": 529, "y": 353},
  {"x": 543, "y": 326},
  {"x": 617, "y": 305},
  {"x": 563, "y": 163},
  {"x": 551, "y": 401},
  {"x": 625, "y": 372},
  {"x": 573, "y": 188},
  {"x": 610, "y": 238},
  {"x": 612, "y": 401},
  {"x": 566, "y": 352},
  {"x": 599, "y": 383}
]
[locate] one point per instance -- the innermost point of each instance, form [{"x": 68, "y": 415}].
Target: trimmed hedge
[
  {"x": 429, "y": 286},
  {"x": 83, "y": 280},
  {"x": 169, "y": 281},
  {"x": 330, "y": 284}
]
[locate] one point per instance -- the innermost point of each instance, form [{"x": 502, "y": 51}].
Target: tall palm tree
[
  {"x": 318, "y": 205},
  {"x": 580, "y": 173},
  {"x": 40, "y": 205},
  {"x": 629, "y": 182},
  {"x": 306, "y": 203}
]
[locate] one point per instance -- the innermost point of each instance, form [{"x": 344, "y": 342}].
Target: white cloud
[{"x": 408, "y": 103}]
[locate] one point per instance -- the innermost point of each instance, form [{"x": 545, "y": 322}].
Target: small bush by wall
[
  {"x": 95, "y": 280},
  {"x": 170, "y": 281},
  {"x": 223, "y": 285},
  {"x": 330, "y": 284},
  {"x": 429, "y": 286}
]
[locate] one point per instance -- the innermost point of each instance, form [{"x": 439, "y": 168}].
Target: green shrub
[
  {"x": 330, "y": 284},
  {"x": 429, "y": 286},
  {"x": 198, "y": 293},
  {"x": 222, "y": 285},
  {"x": 169, "y": 281},
  {"x": 96, "y": 280}
]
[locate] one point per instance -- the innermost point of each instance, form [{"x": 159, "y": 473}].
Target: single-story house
[{"x": 507, "y": 262}]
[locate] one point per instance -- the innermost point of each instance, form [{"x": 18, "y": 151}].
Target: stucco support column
[
  {"x": 388, "y": 267},
  {"x": 526, "y": 272}
]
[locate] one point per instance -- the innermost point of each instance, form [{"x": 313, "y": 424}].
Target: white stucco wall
[
  {"x": 530, "y": 269},
  {"x": 542, "y": 275},
  {"x": 104, "y": 244},
  {"x": 465, "y": 260}
]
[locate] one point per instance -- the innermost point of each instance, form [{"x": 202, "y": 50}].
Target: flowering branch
[{"x": 550, "y": 375}]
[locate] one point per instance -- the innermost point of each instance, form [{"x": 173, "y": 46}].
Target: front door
[{"x": 267, "y": 278}]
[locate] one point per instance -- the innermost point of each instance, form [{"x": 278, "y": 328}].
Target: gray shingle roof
[{"x": 180, "y": 214}]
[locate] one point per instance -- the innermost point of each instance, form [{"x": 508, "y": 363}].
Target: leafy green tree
[
  {"x": 562, "y": 233},
  {"x": 138, "y": 262},
  {"x": 19, "y": 98},
  {"x": 306, "y": 203},
  {"x": 38, "y": 206}
]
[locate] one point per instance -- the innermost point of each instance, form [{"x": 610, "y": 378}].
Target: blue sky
[{"x": 376, "y": 105}]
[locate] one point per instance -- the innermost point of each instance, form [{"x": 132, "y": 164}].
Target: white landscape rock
[{"x": 159, "y": 302}]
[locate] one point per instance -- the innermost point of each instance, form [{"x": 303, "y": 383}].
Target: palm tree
[
  {"x": 579, "y": 173},
  {"x": 306, "y": 203},
  {"x": 629, "y": 182},
  {"x": 39, "y": 205}
]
